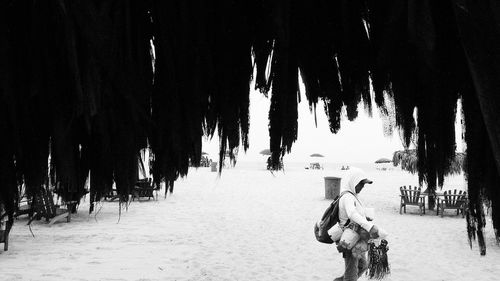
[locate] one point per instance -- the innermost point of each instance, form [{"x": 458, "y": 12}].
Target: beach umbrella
[
  {"x": 265, "y": 152},
  {"x": 383, "y": 160},
  {"x": 316, "y": 155}
]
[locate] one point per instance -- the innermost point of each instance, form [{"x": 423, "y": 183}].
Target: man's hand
[{"x": 374, "y": 232}]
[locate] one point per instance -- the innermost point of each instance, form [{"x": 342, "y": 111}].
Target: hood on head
[{"x": 352, "y": 179}]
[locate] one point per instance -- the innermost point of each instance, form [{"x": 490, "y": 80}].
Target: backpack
[{"x": 328, "y": 220}]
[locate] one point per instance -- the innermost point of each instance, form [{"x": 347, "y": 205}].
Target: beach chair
[
  {"x": 144, "y": 188},
  {"x": 314, "y": 166},
  {"x": 111, "y": 195},
  {"x": 411, "y": 197},
  {"x": 5, "y": 226},
  {"x": 24, "y": 208},
  {"x": 24, "y": 205},
  {"x": 44, "y": 207},
  {"x": 452, "y": 200}
]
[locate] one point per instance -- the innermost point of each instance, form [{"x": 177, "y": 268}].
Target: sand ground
[{"x": 246, "y": 225}]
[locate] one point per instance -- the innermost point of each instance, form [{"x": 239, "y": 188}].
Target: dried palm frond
[{"x": 77, "y": 85}]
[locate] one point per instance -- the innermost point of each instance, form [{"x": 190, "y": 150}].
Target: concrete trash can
[
  {"x": 332, "y": 187},
  {"x": 213, "y": 167}
]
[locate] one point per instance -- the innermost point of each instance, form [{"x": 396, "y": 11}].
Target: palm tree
[{"x": 408, "y": 161}]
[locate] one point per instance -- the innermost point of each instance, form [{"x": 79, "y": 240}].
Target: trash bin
[
  {"x": 332, "y": 187},
  {"x": 213, "y": 167}
]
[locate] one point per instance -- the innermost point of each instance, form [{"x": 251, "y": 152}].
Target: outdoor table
[{"x": 426, "y": 194}]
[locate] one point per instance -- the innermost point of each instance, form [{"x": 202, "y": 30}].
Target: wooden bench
[
  {"x": 44, "y": 207},
  {"x": 452, "y": 200},
  {"x": 411, "y": 197}
]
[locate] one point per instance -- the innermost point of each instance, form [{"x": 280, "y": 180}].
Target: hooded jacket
[{"x": 350, "y": 207}]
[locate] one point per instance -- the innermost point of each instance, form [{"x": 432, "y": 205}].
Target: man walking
[{"x": 351, "y": 211}]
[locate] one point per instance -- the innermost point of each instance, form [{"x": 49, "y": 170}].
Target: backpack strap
[
  {"x": 346, "y": 191},
  {"x": 341, "y": 194}
]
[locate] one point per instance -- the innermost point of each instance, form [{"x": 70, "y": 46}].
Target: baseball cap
[{"x": 366, "y": 181}]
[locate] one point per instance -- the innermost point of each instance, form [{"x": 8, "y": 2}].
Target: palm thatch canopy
[
  {"x": 316, "y": 155},
  {"x": 383, "y": 160},
  {"x": 91, "y": 83}
]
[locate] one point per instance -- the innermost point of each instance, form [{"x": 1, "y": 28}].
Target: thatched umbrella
[
  {"x": 316, "y": 155},
  {"x": 383, "y": 160},
  {"x": 78, "y": 77},
  {"x": 315, "y": 162},
  {"x": 266, "y": 152}
]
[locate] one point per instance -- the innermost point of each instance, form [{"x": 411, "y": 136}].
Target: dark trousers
[{"x": 354, "y": 267}]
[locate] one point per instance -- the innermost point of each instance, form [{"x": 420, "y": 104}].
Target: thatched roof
[
  {"x": 92, "y": 82},
  {"x": 383, "y": 160},
  {"x": 266, "y": 151},
  {"x": 316, "y": 155}
]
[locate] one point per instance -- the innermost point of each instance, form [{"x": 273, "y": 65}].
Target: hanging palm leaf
[{"x": 76, "y": 85}]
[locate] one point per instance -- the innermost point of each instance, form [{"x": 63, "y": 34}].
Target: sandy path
[{"x": 247, "y": 225}]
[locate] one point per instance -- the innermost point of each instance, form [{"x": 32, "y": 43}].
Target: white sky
[{"x": 360, "y": 141}]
